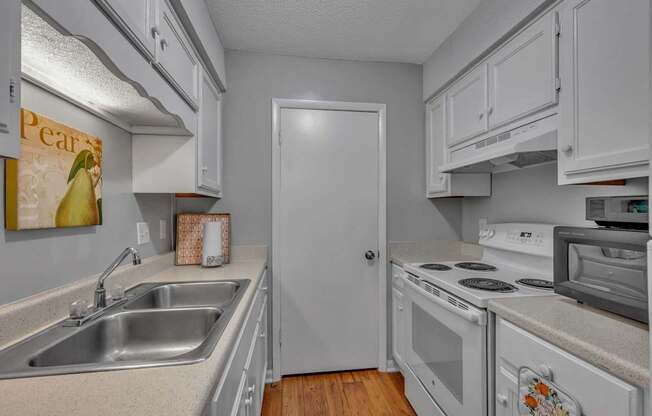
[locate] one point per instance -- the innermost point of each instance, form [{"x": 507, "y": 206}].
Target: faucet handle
[{"x": 78, "y": 309}]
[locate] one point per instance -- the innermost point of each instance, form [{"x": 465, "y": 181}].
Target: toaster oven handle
[{"x": 471, "y": 314}]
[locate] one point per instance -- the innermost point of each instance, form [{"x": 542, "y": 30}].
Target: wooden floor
[{"x": 364, "y": 392}]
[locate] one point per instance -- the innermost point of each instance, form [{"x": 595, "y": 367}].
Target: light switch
[{"x": 142, "y": 228}]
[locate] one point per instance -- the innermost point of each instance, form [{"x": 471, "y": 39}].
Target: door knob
[{"x": 370, "y": 255}]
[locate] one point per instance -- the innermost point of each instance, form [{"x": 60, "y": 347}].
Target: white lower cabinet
[
  {"x": 604, "y": 99},
  {"x": 597, "y": 392},
  {"x": 398, "y": 318},
  {"x": 240, "y": 389}
]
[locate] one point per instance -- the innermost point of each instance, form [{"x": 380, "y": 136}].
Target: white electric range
[{"x": 448, "y": 333}]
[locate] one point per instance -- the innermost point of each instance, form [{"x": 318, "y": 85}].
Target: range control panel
[{"x": 522, "y": 237}]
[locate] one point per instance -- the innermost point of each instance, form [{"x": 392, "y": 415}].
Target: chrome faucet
[{"x": 100, "y": 291}]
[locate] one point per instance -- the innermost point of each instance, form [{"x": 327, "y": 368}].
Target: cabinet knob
[
  {"x": 545, "y": 372},
  {"x": 155, "y": 31},
  {"x": 502, "y": 399},
  {"x": 400, "y": 308},
  {"x": 251, "y": 389},
  {"x": 204, "y": 169},
  {"x": 490, "y": 110},
  {"x": 567, "y": 149},
  {"x": 481, "y": 115},
  {"x": 164, "y": 44}
]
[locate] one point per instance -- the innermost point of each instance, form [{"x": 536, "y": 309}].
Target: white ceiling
[{"x": 367, "y": 30}]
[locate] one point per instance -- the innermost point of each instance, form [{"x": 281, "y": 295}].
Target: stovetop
[{"x": 503, "y": 280}]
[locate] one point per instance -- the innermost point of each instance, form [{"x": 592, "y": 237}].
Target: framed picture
[
  {"x": 190, "y": 237},
  {"x": 57, "y": 182}
]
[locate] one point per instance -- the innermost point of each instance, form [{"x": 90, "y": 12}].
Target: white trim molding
[{"x": 381, "y": 111}]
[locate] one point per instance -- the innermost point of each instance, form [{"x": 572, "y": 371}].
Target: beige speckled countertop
[
  {"x": 613, "y": 343},
  {"x": 402, "y": 252},
  {"x": 174, "y": 390}
]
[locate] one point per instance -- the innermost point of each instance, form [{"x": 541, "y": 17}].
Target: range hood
[{"x": 529, "y": 145}]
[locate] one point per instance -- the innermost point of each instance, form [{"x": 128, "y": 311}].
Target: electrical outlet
[
  {"x": 142, "y": 228},
  {"x": 163, "y": 229}
]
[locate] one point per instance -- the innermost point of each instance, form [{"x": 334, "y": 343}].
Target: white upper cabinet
[
  {"x": 137, "y": 19},
  {"x": 467, "y": 106},
  {"x": 523, "y": 73},
  {"x": 436, "y": 182},
  {"x": 174, "y": 55},
  {"x": 604, "y": 101},
  {"x": 209, "y": 134},
  {"x": 9, "y": 78},
  {"x": 443, "y": 185}
]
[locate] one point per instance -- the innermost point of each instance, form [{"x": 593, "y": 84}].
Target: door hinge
[
  {"x": 558, "y": 84},
  {"x": 12, "y": 90}
]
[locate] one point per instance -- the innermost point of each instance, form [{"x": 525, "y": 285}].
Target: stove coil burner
[
  {"x": 478, "y": 267},
  {"x": 491, "y": 285},
  {"x": 537, "y": 283},
  {"x": 435, "y": 266}
]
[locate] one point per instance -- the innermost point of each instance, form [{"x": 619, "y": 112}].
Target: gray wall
[
  {"x": 35, "y": 260},
  {"x": 533, "y": 195},
  {"x": 488, "y": 25},
  {"x": 254, "y": 79}
]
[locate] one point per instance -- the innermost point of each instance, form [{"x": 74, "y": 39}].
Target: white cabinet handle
[
  {"x": 155, "y": 31},
  {"x": 502, "y": 399},
  {"x": 567, "y": 149},
  {"x": 251, "y": 389},
  {"x": 204, "y": 169},
  {"x": 481, "y": 115},
  {"x": 490, "y": 110},
  {"x": 262, "y": 334},
  {"x": 400, "y": 307},
  {"x": 164, "y": 44}
]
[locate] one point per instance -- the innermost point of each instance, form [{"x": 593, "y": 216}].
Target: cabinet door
[
  {"x": 137, "y": 19},
  {"x": 243, "y": 406},
  {"x": 209, "y": 133},
  {"x": 251, "y": 370},
  {"x": 398, "y": 330},
  {"x": 436, "y": 182},
  {"x": 259, "y": 363},
  {"x": 523, "y": 73},
  {"x": 467, "y": 106},
  {"x": 604, "y": 101},
  {"x": 174, "y": 55},
  {"x": 10, "y": 78}
]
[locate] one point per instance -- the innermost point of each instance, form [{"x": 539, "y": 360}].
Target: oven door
[{"x": 447, "y": 349}]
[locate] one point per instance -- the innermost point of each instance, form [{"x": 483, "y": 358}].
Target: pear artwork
[{"x": 79, "y": 206}]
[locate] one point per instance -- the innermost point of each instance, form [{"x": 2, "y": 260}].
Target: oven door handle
[{"x": 472, "y": 315}]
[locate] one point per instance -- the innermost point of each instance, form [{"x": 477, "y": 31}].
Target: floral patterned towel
[{"x": 541, "y": 397}]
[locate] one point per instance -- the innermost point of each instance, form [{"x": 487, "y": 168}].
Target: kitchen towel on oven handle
[{"x": 539, "y": 396}]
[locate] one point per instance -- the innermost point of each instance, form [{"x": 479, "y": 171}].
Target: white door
[
  {"x": 209, "y": 136},
  {"x": 328, "y": 207},
  {"x": 436, "y": 182},
  {"x": 522, "y": 73},
  {"x": 467, "y": 106},
  {"x": 604, "y": 101}
]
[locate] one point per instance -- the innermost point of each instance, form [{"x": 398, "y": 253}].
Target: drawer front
[
  {"x": 175, "y": 57},
  {"x": 419, "y": 398},
  {"x": 598, "y": 392},
  {"x": 226, "y": 392}
]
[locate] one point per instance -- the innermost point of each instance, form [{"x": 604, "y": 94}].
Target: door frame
[{"x": 380, "y": 109}]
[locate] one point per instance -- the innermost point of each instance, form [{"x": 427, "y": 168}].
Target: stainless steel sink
[
  {"x": 180, "y": 295},
  {"x": 160, "y": 324}
]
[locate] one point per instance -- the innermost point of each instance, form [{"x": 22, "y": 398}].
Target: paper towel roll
[{"x": 212, "y": 253}]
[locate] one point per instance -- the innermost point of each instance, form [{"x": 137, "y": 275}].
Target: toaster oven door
[{"x": 604, "y": 268}]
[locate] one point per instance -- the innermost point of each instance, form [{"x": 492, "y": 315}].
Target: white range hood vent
[{"x": 529, "y": 145}]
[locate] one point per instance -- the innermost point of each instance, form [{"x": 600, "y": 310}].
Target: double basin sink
[{"x": 158, "y": 324}]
